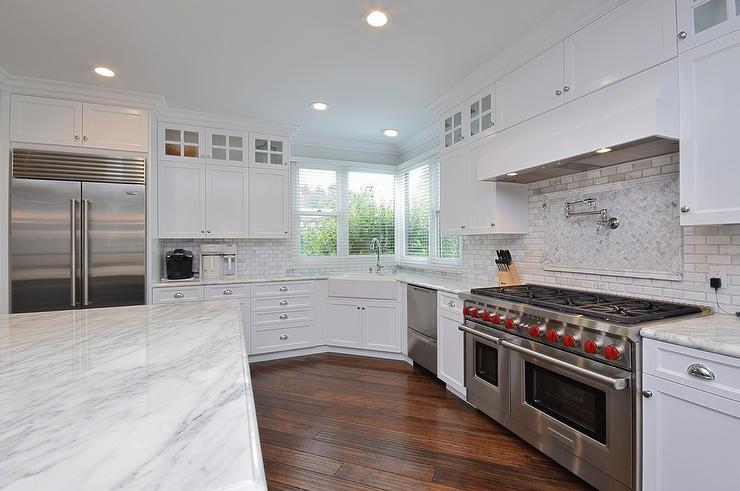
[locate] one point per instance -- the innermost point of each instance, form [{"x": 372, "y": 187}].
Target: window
[{"x": 340, "y": 210}]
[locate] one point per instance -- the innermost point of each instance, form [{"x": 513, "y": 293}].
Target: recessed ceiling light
[
  {"x": 377, "y": 18},
  {"x": 604, "y": 150},
  {"x": 512, "y": 174},
  {"x": 390, "y": 132},
  {"x": 319, "y": 106},
  {"x": 104, "y": 71}
]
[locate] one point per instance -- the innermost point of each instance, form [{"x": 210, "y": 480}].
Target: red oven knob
[
  {"x": 486, "y": 316},
  {"x": 535, "y": 331},
  {"x": 591, "y": 347},
  {"x": 474, "y": 313},
  {"x": 570, "y": 341},
  {"x": 466, "y": 311},
  {"x": 496, "y": 319},
  {"x": 509, "y": 324},
  {"x": 611, "y": 352},
  {"x": 553, "y": 336}
]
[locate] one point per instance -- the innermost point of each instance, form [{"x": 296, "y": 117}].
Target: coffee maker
[{"x": 217, "y": 260}]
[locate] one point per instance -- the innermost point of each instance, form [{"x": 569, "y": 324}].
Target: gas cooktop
[{"x": 604, "y": 306}]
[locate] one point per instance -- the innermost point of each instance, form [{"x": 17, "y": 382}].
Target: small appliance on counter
[
  {"x": 179, "y": 264},
  {"x": 217, "y": 260}
]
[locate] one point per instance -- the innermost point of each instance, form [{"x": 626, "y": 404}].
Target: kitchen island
[{"x": 143, "y": 397}]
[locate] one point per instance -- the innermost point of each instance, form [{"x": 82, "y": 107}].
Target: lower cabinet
[
  {"x": 358, "y": 323},
  {"x": 450, "y": 350}
]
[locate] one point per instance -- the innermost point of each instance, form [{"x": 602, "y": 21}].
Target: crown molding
[
  {"x": 423, "y": 139},
  {"x": 389, "y": 149},
  {"x": 553, "y": 30}
]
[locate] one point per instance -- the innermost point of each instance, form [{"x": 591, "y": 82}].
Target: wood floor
[{"x": 335, "y": 422}]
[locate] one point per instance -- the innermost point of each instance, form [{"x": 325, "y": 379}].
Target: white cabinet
[
  {"x": 532, "y": 89},
  {"x": 469, "y": 206},
  {"x": 268, "y": 150},
  {"x": 635, "y": 36},
  {"x": 181, "y": 199},
  {"x": 450, "y": 345},
  {"x": 181, "y": 143},
  {"x": 227, "y": 206},
  {"x": 269, "y": 203},
  {"x": 709, "y": 77},
  {"x": 78, "y": 124},
  {"x": 360, "y": 323},
  {"x": 115, "y": 128},
  {"x": 226, "y": 147},
  {"x": 481, "y": 114},
  {"x": 453, "y": 128},
  {"x": 701, "y": 21},
  {"x": 691, "y": 424}
]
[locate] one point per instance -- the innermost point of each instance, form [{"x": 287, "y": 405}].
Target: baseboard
[
  {"x": 459, "y": 394},
  {"x": 328, "y": 349}
]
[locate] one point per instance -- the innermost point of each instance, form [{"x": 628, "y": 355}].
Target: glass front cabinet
[
  {"x": 474, "y": 119},
  {"x": 181, "y": 143},
  {"x": 701, "y": 21},
  {"x": 268, "y": 151}
]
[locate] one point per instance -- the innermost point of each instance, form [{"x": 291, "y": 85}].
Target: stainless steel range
[{"x": 561, "y": 368}]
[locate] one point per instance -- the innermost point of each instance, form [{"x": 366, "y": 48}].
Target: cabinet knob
[
  {"x": 202, "y": 156},
  {"x": 283, "y": 288},
  {"x": 228, "y": 291},
  {"x": 283, "y": 302},
  {"x": 208, "y": 156},
  {"x": 77, "y": 137},
  {"x": 358, "y": 307},
  {"x": 685, "y": 209},
  {"x": 283, "y": 317},
  {"x": 179, "y": 295},
  {"x": 283, "y": 337},
  {"x": 683, "y": 35},
  {"x": 566, "y": 89},
  {"x": 647, "y": 394},
  {"x": 202, "y": 231},
  {"x": 84, "y": 138},
  {"x": 363, "y": 308},
  {"x": 558, "y": 92},
  {"x": 462, "y": 226},
  {"x": 208, "y": 231},
  {"x": 451, "y": 303}
]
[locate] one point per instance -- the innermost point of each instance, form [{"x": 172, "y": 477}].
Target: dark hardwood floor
[{"x": 336, "y": 422}]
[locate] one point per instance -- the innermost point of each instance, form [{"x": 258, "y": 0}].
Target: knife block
[{"x": 509, "y": 278}]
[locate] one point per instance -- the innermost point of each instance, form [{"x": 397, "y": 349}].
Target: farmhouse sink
[{"x": 364, "y": 285}]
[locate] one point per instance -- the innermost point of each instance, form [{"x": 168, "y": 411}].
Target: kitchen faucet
[{"x": 375, "y": 246}]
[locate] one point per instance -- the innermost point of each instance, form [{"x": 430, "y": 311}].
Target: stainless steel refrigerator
[{"x": 77, "y": 231}]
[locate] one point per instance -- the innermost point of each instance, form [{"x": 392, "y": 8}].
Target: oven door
[
  {"x": 577, "y": 411},
  {"x": 486, "y": 372}
]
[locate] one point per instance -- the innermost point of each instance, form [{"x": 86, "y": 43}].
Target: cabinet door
[
  {"x": 453, "y": 128},
  {"x": 50, "y": 121},
  {"x": 226, "y": 147},
  {"x": 269, "y": 203},
  {"x": 380, "y": 326},
  {"x": 181, "y": 143},
  {"x": 701, "y": 21},
  {"x": 268, "y": 151},
  {"x": 454, "y": 175},
  {"x": 227, "y": 202},
  {"x": 181, "y": 200},
  {"x": 531, "y": 89},
  {"x": 451, "y": 351},
  {"x": 709, "y": 77},
  {"x": 481, "y": 216},
  {"x": 115, "y": 128},
  {"x": 633, "y": 37},
  {"x": 689, "y": 438},
  {"x": 481, "y": 113},
  {"x": 344, "y": 327}
]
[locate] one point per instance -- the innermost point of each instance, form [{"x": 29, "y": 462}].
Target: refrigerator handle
[
  {"x": 73, "y": 248},
  {"x": 85, "y": 252}
]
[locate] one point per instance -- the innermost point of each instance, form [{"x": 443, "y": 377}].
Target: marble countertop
[
  {"x": 439, "y": 282},
  {"x": 196, "y": 281},
  {"x": 136, "y": 398},
  {"x": 717, "y": 333}
]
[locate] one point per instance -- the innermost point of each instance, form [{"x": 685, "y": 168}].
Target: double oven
[{"x": 577, "y": 410}]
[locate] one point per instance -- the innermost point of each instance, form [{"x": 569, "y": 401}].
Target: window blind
[
  {"x": 370, "y": 202},
  {"x": 317, "y": 198},
  {"x": 448, "y": 246},
  {"x": 417, "y": 207}
]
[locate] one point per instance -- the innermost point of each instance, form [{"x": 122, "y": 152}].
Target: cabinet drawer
[
  {"x": 262, "y": 321},
  {"x": 287, "y": 338},
  {"x": 672, "y": 362},
  {"x": 280, "y": 303},
  {"x": 286, "y": 288},
  {"x": 449, "y": 302},
  {"x": 226, "y": 291},
  {"x": 174, "y": 295}
]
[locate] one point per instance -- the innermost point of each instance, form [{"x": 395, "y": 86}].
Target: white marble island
[{"x": 136, "y": 398}]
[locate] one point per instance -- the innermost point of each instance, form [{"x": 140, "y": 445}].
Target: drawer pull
[
  {"x": 451, "y": 303},
  {"x": 283, "y": 317},
  {"x": 283, "y": 302},
  {"x": 700, "y": 371},
  {"x": 179, "y": 295},
  {"x": 228, "y": 291},
  {"x": 283, "y": 288},
  {"x": 283, "y": 337}
]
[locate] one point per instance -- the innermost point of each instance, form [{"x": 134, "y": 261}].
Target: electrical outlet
[{"x": 715, "y": 283}]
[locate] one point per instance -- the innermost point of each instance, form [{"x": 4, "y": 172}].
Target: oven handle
[
  {"x": 474, "y": 332},
  {"x": 617, "y": 383}
]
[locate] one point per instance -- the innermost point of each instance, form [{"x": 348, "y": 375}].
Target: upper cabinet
[
  {"x": 268, "y": 151},
  {"x": 226, "y": 147},
  {"x": 183, "y": 143},
  {"x": 269, "y": 203},
  {"x": 700, "y": 21},
  {"x": 78, "y": 124},
  {"x": 709, "y": 77},
  {"x": 635, "y": 36},
  {"x": 481, "y": 114},
  {"x": 532, "y": 89},
  {"x": 453, "y": 128}
]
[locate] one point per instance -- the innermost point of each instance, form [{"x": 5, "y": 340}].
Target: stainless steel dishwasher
[{"x": 421, "y": 319}]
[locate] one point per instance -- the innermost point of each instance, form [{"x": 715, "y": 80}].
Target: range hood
[{"x": 637, "y": 118}]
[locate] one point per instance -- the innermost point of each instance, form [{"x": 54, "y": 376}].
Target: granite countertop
[
  {"x": 137, "y": 398},
  {"x": 717, "y": 333}
]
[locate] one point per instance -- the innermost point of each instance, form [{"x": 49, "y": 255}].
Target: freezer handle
[
  {"x": 73, "y": 249},
  {"x": 85, "y": 251}
]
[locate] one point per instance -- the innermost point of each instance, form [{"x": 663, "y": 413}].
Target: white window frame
[{"x": 342, "y": 168}]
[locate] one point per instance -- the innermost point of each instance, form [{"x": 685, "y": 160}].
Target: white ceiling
[{"x": 268, "y": 59}]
